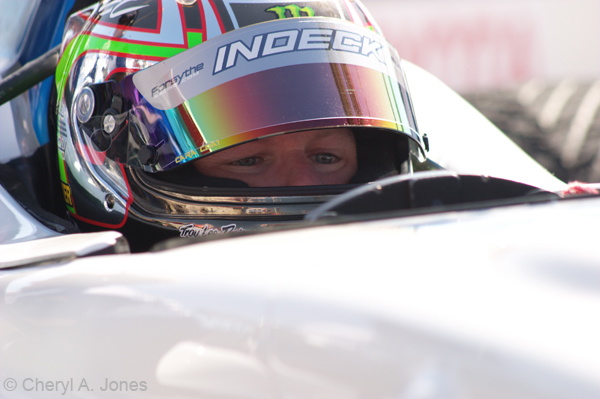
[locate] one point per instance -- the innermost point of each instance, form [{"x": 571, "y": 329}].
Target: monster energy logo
[{"x": 295, "y": 11}]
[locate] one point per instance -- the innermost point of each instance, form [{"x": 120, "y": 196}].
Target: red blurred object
[{"x": 579, "y": 188}]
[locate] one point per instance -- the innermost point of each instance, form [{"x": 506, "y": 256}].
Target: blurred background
[{"x": 531, "y": 66}]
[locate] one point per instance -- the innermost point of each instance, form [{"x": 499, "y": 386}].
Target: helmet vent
[
  {"x": 85, "y": 105},
  {"x": 109, "y": 202}
]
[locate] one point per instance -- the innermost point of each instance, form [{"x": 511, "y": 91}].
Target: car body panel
[
  {"x": 17, "y": 224},
  {"x": 487, "y": 303}
]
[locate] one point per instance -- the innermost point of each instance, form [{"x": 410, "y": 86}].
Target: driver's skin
[{"x": 313, "y": 157}]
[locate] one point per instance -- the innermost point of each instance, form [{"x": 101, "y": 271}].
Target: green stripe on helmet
[{"x": 84, "y": 43}]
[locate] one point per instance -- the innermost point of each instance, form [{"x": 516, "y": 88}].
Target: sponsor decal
[
  {"x": 250, "y": 12},
  {"x": 293, "y": 10},
  {"x": 192, "y": 231},
  {"x": 193, "y": 154},
  {"x": 62, "y": 128},
  {"x": 187, "y": 156},
  {"x": 62, "y": 142},
  {"x": 67, "y": 194},
  {"x": 115, "y": 8},
  {"x": 293, "y": 40},
  {"x": 257, "y": 210},
  {"x": 172, "y": 83},
  {"x": 138, "y": 15}
]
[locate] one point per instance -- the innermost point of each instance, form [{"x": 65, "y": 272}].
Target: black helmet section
[{"x": 380, "y": 155}]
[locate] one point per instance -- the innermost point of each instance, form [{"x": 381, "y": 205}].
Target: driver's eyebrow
[{"x": 328, "y": 132}]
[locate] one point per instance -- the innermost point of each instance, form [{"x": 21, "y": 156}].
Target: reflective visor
[{"x": 262, "y": 80}]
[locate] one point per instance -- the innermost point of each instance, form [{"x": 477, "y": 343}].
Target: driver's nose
[{"x": 298, "y": 171}]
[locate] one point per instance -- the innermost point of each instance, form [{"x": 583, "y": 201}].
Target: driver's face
[{"x": 308, "y": 158}]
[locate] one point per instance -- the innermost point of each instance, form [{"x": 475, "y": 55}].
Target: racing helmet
[{"x": 146, "y": 88}]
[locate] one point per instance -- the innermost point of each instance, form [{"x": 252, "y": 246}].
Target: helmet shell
[{"x": 115, "y": 38}]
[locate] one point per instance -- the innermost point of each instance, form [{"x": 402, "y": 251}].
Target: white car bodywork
[{"x": 474, "y": 304}]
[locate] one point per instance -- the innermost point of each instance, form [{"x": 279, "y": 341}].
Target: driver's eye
[
  {"x": 246, "y": 161},
  {"x": 325, "y": 158}
]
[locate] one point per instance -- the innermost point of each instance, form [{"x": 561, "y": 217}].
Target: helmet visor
[{"x": 258, "y": 81}]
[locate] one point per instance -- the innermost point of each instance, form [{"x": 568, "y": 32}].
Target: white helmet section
[{"x": 262, "y": 47}]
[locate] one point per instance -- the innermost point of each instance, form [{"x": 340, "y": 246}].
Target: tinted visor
[{"x": 258, "y": 81}]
